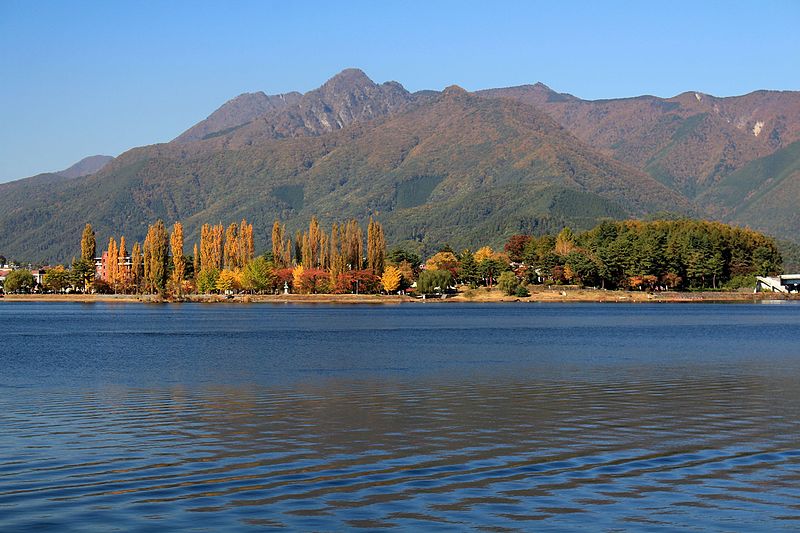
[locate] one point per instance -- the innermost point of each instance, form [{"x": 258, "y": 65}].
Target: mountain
[
  {"x": 689, "y": 142},
  {"x": 234, "y": 113},
  {"x": 86, "y": 166},
  {"x": 348, "y": 97},
  {"x": 435, "y": 166},
  {"x": 441, "y": 167}
]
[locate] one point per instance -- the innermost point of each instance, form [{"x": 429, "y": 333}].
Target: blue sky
[{"x": 82, "y": 78}]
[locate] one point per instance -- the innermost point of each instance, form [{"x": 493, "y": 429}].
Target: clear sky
[{"x": 79, "y": 78}]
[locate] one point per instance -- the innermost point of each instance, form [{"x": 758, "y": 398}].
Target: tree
[
  {"x": 278, "y": 234},
  {"x": 137, "y": 266},
  {"x": 515, "y": 247},
  {"x": 376, "y": 246},
  {"x": 123, "y": 271},
  {"x": 398, "y": 255},
  {"x": 88, "y": 244},
  {"x": 245, "y": 245},
  {"x": 178, "y": 260},
  {"x": 258, "y": 276},
  {"x": 565, "y": 242},
  {"x": 83, "y": 274},
  {"x": 391, "y": 279},
  {"x": 297, "y": 276},
  {"x": 19, "y": 281},
  {"x": 228, "y": 281},
  {"x": 443, "y": 261},
  {"x": 56, "y": 279},
  {"x": 231, "y": 249},
  {"x": 353, "y": 245},
  {"x": 430, "y": 281},
  {"x": 112, "y": 264},
  {"x": 468, "y": 269},
  {"x": 489, "y": 269},
  {"x": 156, "y": 257},
  {"x": 211, "y": 247},
  {"x": 507, "y": 282},
  {"x": 207, "y": 280},
  {"x": 484, "y": 253}
]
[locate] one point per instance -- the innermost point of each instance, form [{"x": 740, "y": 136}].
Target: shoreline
[{"x": 477, "y": 296}]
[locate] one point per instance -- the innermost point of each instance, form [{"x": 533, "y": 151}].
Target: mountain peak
[
  {"x": 454, "y": 90},
  {"x": 349, "y": 78}
]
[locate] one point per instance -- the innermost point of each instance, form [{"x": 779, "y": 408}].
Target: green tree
[
  {"x": 468, "y": 269},
  {"x": 19, "y": 281},
  {"x": 88, "y": 244},
  {"x": 430, "y": 281},
  {"x": 83, "y": 274},
  {"x": 56, "y": 279},
  {"x": 507, "y": 282},
  {"x": 207, "y": 280},
  {"x": 258, "y": 275}
]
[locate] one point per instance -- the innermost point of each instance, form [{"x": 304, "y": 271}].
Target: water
[{"x": 421, "y": 417}]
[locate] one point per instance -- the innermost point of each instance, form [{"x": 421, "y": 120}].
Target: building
[
  {"x": 786, "y": 283},
  {"x": 101, "y": 265}
]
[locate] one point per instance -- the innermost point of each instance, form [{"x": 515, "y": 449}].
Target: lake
[{"x": 607, "y": 417}]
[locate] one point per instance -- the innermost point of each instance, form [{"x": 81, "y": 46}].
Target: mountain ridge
[{"x": 435, "y": 166}]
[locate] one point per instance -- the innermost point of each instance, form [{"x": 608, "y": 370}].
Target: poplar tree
[
  {"x": 211, "y": 247},
  {"x": 156, "y": 256},
  {"x": 231, "y": 252},
  {"x": 314, "y": 236},
  {"x": 178, "y": 260},
  {"x": 196, "y": 261},
  {"x": 122, "y": 267},
  {"x": 136, "y": 266},
  {"x": 376, "y": 247},
  {"x": 353, "y": 245},
  {"x": 88, "y": 244},
  {"x": 112, "y": 263},
  {"x": 245, "y": 244},
  {"x": 278, "y": 233}
]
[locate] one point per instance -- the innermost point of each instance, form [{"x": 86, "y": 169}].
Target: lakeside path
[{"x": 475, "y": 296}]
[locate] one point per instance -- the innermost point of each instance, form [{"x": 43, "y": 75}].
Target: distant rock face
[
  {"x": 236, "y": 112},
  {"x": 348, "y": 97},
  {"x": 86, "y": 166}
]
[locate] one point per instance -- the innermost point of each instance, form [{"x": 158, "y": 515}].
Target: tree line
[{"x": 635, "y": 255}]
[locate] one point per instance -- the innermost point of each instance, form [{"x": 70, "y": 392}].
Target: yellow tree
[
  {"x": 314, "y": 236},
  {"x": 228, "y": 281},
  {"x": 178, "y": 260},
  {"x": 156, "y": 256},
  {"x": 391, "y": 279},
  {"x": 353, "y": 245},
  {"x": 484, "y": 253},
  {"x": 136, "y": 266},
  {"x": 196, "y": 261},
  {"x": 297, "y": 276},
  {"x": 442, "y": 261},
  {"x": 245, "y": 246},
  {"x": 306, "y": 254},
  {"x": 376, "y": 246},
  {"x": 565, "y": 242},
  {"x": 123, "y": 269},
  {"x": 211, "y": 247},
  {"x": 232, "y": 247},
  {"x": 112, "y": 264}
]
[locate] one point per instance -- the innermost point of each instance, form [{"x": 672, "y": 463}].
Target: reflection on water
[{"x": 418, "y": 417}]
